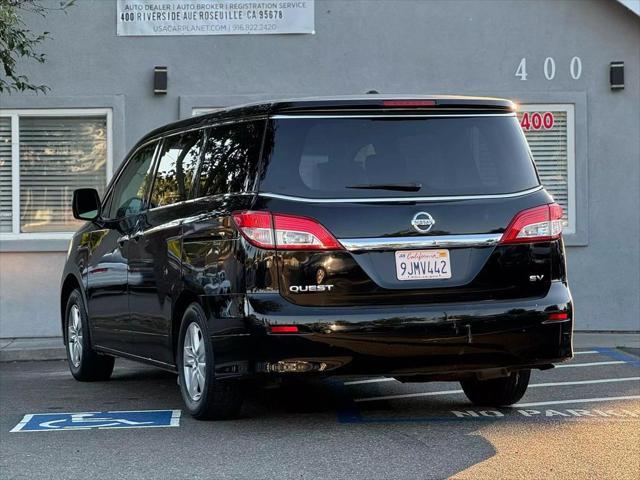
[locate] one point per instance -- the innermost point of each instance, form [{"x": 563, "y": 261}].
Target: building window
[
  {"x": 44, "y": 156},
  {"x": 549, "y": 129}
]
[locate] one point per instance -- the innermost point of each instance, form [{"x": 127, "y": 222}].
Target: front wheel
[
  {"x": 205, "y": 397},
  {"x": 85, "y": 364},
  {"x": 497, "y": 392}
]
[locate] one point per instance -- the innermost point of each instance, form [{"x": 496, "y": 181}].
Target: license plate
[{"x": 422, "y": 264}]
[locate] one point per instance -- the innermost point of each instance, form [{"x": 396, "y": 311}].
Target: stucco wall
[
  {"x": 30, "y": 286},
  {"x": 403, "y": 47}
]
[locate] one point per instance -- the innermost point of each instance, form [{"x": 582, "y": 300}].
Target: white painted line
[
  {"x": 175, "y": 418},
  {"x": 408, "y": 395},
  {"x": 578, "y": 400},
  {"x": 370, "y": 380},
  {"x": 585, "y": 382},
  {"x": 452, "y": 392},
  {"x": 586, "y": 352},
  {"x": 591, "y": 364}
]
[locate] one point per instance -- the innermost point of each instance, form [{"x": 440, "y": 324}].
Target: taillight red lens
[
  {"x": 256, "y": 227},
  {"x": 536, "y": 224},
  {"x": 284, "y": 329},
  {"x": 285, "y": 232},
  {"x": 558, "y": 317}
]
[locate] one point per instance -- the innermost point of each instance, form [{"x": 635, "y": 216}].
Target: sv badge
[{"x": 535, "y": 278}]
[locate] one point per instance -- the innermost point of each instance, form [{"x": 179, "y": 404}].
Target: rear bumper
[{"x": 445, "y": 340}]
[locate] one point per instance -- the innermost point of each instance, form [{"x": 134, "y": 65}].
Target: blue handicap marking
[{"x": 39, "y": 422}]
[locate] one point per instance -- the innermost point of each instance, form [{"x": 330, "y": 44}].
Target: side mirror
[{"x": 86, "y": 204}]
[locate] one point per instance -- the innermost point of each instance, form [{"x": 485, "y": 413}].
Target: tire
[
  {"x": 498, "y": 392},
  {"x": 85, "y": 364},
  {"x": 205, "y": 397}
]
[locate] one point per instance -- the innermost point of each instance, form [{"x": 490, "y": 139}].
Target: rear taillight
[
  {"x": 536, "y": 224},
  {"x": 285, "y": 232}
]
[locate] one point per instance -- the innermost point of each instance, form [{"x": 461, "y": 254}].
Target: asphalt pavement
[{"x": 578, "y": 421}]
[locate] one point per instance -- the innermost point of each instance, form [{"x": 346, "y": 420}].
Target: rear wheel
[
  {"x": 497, "y": 392},
  {"x": 205, "y": 397},
  {"x": 85, "y": 364}
]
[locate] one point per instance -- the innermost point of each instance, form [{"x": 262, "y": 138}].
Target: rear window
[{"x": 391, "y": 157}]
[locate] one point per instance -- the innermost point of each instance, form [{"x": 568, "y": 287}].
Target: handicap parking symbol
[{"x": 40, "y": 422}]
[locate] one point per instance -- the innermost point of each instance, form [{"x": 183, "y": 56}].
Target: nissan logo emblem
[{"x": 422, "y": 222}]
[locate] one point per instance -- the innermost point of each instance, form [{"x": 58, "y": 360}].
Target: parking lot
[{"x": 578, "y": 421}]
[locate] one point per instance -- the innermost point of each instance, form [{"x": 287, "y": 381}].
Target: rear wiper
[{"x": 400, "y": 187}]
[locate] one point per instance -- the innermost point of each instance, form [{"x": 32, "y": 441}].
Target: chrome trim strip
[
  {"x": 411, "y": 243},
  {"x": 387, "y": 115},
  {"x": 399, "y": 199}
]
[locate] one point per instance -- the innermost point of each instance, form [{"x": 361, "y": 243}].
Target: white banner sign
[{"x": 214, "y": 17}]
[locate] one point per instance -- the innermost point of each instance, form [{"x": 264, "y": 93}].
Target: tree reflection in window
[
  {"x": 177, "y": 168},
  {"x": 230, "y": 158}
]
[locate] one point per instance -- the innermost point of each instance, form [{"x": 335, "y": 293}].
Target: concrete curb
[
  {"x": 30, "y": 349},
  {"x": 33, "y": 354}
]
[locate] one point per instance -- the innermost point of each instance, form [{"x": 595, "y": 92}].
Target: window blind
[
  {"x": 549, "y": 149},
  {"x": 5, "y": 175},
  {"x": 58, "y": 155}
]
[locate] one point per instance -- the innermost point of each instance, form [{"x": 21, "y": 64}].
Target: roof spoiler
[{"x": 395, "y": 104}]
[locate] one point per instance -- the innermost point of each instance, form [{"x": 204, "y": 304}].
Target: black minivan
[{"x": 407, "y": 237}]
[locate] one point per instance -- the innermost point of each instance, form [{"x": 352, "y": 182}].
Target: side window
[
  {"x": 177, "y": 166},
  {"x": 230, "y": 158},
  {"x": 130, "y": 190}
]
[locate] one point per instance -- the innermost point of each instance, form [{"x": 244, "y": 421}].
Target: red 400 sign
[{"x": 537, "y": 121}]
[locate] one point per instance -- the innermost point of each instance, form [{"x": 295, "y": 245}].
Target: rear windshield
[{"x": 391, "y": 157}]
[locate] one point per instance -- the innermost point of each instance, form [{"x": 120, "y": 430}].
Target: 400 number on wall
[{"x": 549, "y": 68}]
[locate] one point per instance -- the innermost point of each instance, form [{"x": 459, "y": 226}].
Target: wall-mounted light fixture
[
  {"x": 160, "y": 80},
  {"x": 616, "y": 75}
]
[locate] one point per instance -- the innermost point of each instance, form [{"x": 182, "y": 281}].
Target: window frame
[
  {"x": 569, "y": 109},
  {"x": 15, "y": 115}
]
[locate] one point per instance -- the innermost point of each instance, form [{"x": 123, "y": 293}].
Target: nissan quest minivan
[{"x": 407, "y": 237}]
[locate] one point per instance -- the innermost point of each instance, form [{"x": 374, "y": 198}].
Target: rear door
[{"x": 419, "y": 203}]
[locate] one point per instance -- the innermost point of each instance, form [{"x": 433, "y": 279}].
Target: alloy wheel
[
  {"x": 194, "y": 361},
  {"x": 75, "y": 335}
]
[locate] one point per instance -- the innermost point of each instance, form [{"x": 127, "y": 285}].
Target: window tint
[
  {"x": 230, "y": 158},
  {"x": 178, "y": 161},
  {"x": 348, "y": 157},
  {"x": 131, "y": 187}
]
